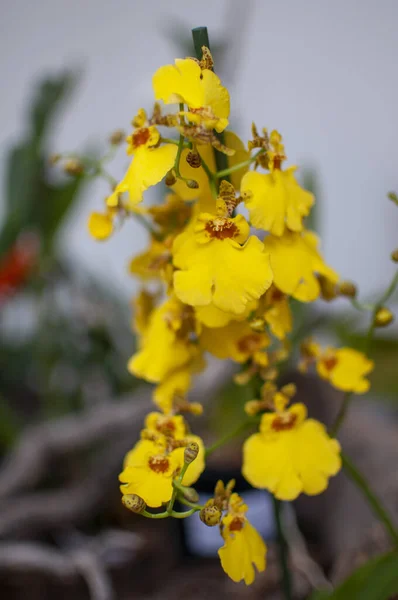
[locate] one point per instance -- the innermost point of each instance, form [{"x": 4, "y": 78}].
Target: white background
[{"x": 323, "y": 73}]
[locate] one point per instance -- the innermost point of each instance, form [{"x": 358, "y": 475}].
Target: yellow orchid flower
[
  {"x": 166, "y": 344},
  {"x": 200, "y": 89},
  {"x": 345, "y": 369},
  {"x": 295, "y": 261},
  {"x": 219, "y": 265},
  {"x": 275, "y": 201},
  {"x": 243, "y": 547},
  {"x": 291, "y": 454}
]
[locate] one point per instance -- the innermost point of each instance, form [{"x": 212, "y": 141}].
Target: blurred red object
[{"x": 17, "y": 264}]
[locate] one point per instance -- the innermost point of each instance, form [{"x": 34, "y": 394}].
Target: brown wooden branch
[
  {"x": 28, "y": 463},
  {"x": 87, "y": 561}
]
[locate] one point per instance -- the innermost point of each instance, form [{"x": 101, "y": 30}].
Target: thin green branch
[
  {"x": 361, "y": 305},
  {"x": 183, "y": 515},
  {"x": 175, "y": 491},
  {"x": 238, "y": 166},
  {"x": 341, "y": 414},
  {"x": 231, "y": 435},
  {"x": 181, "y": 142},
  {"x": 171, "y": 141},
  {"x": 165, "y": 514},
  {"x": 148, "y": 515},
  {"x": 373, "y": 501},
  {"x": 283, "y": 549},
  {"x": 367, "y": 346},
  {"x": 211, "y": 178},
  {"x": 201, "y": 38},
  {"x": 142, "y": 221},
  {"x": 190, "y": 504}
]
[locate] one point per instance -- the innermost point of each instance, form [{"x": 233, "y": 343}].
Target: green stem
[
  {"x": 351, "y": 470},
  {"x": 389, "y": 291},
  {"x": 234, "y": 168},
  {"x": 367, "y": 346},
  {"x": 190, "y": 504},
  {"x": 181, "y": 142},
  {"x": 171, "y": 141},
  {"x": 200, "y": 37},
  {"x": 142, "y": 221},
  {"x": 148, "y": 515},
  {"x": 175, "y": 490},
  {"x": 360, "y": 305},
  {"x": 181, "y": 490},
  {"x": 283, "y": 550},
  {"x": 183, "y": 515},
  {"x": 166, "y": 514},
  {"x": 373, "y": 501},
  {"x": 341, "y": 414},
  {"x": 230, "y": 436},
  {"x": 211, "y": 178}
]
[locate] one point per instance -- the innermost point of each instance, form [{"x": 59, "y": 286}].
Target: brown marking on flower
[
  {"x": 284, "y": 422},
  {"x": 221, "y": 228},
  {"x": 181, "y": 322},
  {"x": 140, "y": 137},
  {"x": 236, "y": 524},
  {"x": 159, "y": 261},
  {"x": 167, "y": 427},
  {"x": 158, "y": 464},
  {"x": 276, "y": 295},
  {"x": 249, "y": 343},
  {"x": 329, "y": 362}
]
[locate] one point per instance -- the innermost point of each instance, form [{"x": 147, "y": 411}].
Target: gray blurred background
[{"x": 323, "y": 73}]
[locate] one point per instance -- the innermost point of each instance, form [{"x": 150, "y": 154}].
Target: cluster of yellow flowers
[{"x": 223, "y": 286}]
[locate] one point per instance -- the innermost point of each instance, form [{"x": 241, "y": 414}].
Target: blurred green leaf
[
  {"x": 376, "y": 580},
  {"x": 23, "y": 173},
  {"x": 9, "y": 427},
  {"x": 320, "y": 595},
  {"x": 311, "y": 183},
  {"x": 393, "y": 196},
  {"x": 55, "y": 204},
  {"x": 31, "y": 203},
  {"x": 49, "y": 96}
]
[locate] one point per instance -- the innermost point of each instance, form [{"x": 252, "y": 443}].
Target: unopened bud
[
  {"x": 329, "y": 289},
  {"x": 134, "y": 503},
  {"x": 252, "y": 407},
  {"x": 383, "y": 317},
  {"x": 347, "y": 288},
  {"x": 117, "y": 137},
  {"x": 193, "y": 159},
  {"x": 191, "y": 452},
  {"x": 73, "y": 166},
  {"x": 289, "y": 390},
  {"x": 170, "y": 179},
  {"x": 269, "y": 374},
  {"x": 243, "y": 377},
  {"x": 191, "y": 495},
  {"x": 192, "y": 184},
  {"x": 195, "y": 408},
  {"x": 219, "y": 489},
  {"x": 210, "y": 516},
  {"x": 394, "y": 255},
  {"x": 53, "y": 159}
]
